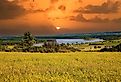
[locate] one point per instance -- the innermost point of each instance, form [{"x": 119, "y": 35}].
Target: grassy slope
[
  {"x": 84, "y": 66},
  {"x": 87, "y": 47}
]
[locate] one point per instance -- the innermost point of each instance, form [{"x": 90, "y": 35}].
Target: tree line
[
  {"x": 27, "y": 42},
  {"x": 113, "y": 49}
]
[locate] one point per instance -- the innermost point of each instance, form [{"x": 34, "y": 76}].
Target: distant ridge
[{"x": 102, "y": 35}]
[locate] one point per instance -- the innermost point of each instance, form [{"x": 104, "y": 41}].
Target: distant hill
[{"x": 101, "y": 35}]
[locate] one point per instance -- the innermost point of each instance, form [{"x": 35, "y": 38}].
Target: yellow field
[{"x": 60, "y": 67}]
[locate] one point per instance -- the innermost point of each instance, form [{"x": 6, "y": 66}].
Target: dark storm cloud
[
  {"x": 62, "y": 7},
  {"x": 10, "y": 10},
  {"x": 54, "y": 1},
  {"x": 21, "y": 28},
  {"x": 79, "y": 17},
  {"x": 37, "y": 11},
  {"x": 106, "y": 7},
  {"x": 96, "y": 19}
]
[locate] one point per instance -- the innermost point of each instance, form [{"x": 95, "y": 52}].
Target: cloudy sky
[{"x": 41, "y": 17}]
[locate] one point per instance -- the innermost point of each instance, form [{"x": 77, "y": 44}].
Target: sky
[{"x": 48, "y": 17}]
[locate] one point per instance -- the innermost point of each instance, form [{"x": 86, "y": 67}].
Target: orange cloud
[
  {"x": 42, "y": 16},
  {"x": 62, "y": 7},
  {"x": 106, "y": 7}
]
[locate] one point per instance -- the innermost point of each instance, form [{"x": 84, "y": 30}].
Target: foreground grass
[{"x": 60, "y": 67}]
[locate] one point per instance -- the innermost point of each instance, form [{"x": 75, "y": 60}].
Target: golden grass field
[{"x": 60, "y": 67}]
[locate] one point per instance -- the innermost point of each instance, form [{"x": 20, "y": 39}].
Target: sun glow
[{"x": 58, "y": 28}]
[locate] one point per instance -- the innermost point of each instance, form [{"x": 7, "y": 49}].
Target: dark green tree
[{"x": 28, "y": 41}]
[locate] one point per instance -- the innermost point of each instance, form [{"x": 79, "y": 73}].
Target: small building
[
  {"x": 49, "y": 41},
  {"x": 38, "y": 44}
]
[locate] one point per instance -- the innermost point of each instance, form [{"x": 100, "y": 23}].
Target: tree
[
  {"x": 27, "y": 41},
  {"x": 113, "y": 49},
  {"x": 95, "y": 47}
]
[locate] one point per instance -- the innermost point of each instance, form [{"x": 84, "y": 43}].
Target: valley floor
[{"x": 60, "y": 67}]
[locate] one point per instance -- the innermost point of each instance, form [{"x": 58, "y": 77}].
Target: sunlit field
[{"x": 60, "y": 67}]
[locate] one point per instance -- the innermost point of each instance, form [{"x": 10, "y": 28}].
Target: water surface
[{"x": 74, "y": 41}]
